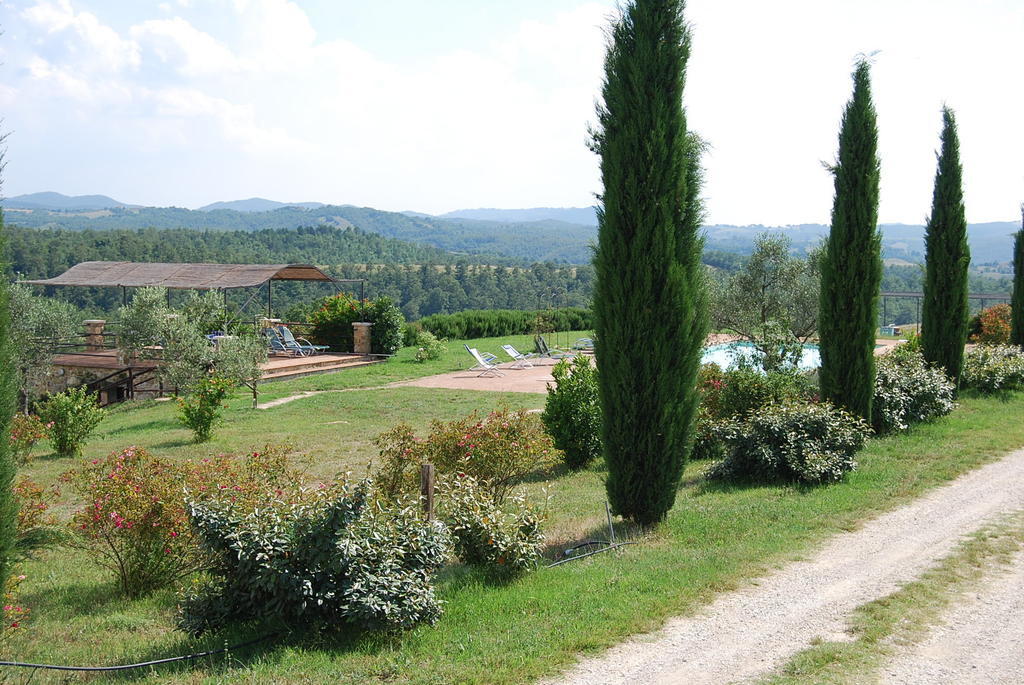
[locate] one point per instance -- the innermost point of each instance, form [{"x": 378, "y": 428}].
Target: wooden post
[{"x": 427, "y": 490}]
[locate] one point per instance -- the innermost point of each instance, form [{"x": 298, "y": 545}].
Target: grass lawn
[{"x": 716, "y": 538}]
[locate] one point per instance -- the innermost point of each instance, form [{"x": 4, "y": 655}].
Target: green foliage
[
  {"x": 26, "y": 431},
  {"x": 189, "y": 357},
  {"x": 134, "y": 522},
  {"x": 387, "y": 323},
  {"x": 772, "y": 288},
  {"x": 991, "y": 326},
  {"x": 332, "y": 323},
  {"x": 335, "y": 560},
  {"x": 8, "y": 400},
  {"x": 495, "y": 323},
  {"x": 650, "y": 312},
  {"x": 201, "y": 408},
  {"x": 36, "y": 323},
  {"x": 810, "y": 443},
  {"x": 991, "y": 368},
  {"x": 851, "y": 268},
  {"x": 944, "y": 311},
  {"x": 73, "y": 415},
  {"x": 206, "y": 311},
  {"x": 498, "y": 450},
  {"x": 505, "y": 541},
  {"x": 572, "y": 414},
  {"x": 745, "y": 389},
  {"x": 1017, "y": 299},
  {"x": 143, "y": 321},
  {"x": 428, "y": 346},
  {"x": 908, "y": 390}
]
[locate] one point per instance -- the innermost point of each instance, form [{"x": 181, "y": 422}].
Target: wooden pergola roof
[{"x": 183, "y": 276}]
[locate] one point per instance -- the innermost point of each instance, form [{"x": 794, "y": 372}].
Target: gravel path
[
  {"x": 745, "y": 633},
  {"x": 981, "y": 639}
]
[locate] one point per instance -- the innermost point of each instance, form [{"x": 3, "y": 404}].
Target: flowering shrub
[
  {"x": 991, "y": 326},
  {"x": 907, "y": 391},
  {"x": 201, "y": 409},
  {"x": 14, "y": 614},
  {"x": 813, "y": 443},
  {"x": 35, "y": 526},
  {"x": 736, "y": 392},
  {"x": 335, "y": 559},
  {"x": 26, "y": 431},
  {"x": 504, "y": 541},
  {"x": 332, "y": 323},
  {"x": 498, "y": 450},
  {"x": 72, "y": 415},
  {"x": 572, "y": 414},
  {"x": 989, "y": 368},
  {"x": 429, "y": 346},
  {"x": 134, "y": 522}
]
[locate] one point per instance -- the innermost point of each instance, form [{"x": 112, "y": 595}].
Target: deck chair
[
  {"x": 522, "y": 361},
  {"x": 276, "y": 344},
  {"x": 584, "y": 344},
  {"x": 545, "y": 352},
  {"x": 486, "y": 356},
  {"x": 291, "y": 342},
  {"x": 486, "y": 368}
]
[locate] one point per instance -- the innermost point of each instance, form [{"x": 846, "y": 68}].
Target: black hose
[{"x": 125, "y": 667}]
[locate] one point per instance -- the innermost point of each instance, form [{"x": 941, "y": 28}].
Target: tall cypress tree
[
  {"x": 851, "y": 269},
  {"x": 1017, "y": 299},
  {"x": 947, "y": 257},
  {"x": 650, "y": 311},
  {"x": 8, "y": 401}
]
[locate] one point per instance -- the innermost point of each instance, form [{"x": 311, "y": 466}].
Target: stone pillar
[
  {"x": 94, "y": 334},
  {"x": 361, "y": 337}
]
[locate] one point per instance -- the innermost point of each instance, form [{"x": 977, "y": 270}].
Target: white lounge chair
[
  {"x": 484, "y": 366},
  {"x": 522, "y": 361}
]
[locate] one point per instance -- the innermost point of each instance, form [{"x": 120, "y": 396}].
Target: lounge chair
[
  {"x": 486, "y": 356},
  {"x": 545, "y": 352},
  {"x": 291, "y": 342},
  {"x": 584, "y": 344},
  {"x": 522, "y": 361},
  {"x": 276, "y": 343},
  {"x": 485, "y": 367}
]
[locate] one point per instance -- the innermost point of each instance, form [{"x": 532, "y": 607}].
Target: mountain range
[{"x": 537, "y": 234}]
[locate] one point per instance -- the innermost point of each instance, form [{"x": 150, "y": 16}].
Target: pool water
[{"x": 726, "y": 354}]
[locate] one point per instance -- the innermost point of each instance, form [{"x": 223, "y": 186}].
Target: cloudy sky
[{"x": 434, "y": 106}]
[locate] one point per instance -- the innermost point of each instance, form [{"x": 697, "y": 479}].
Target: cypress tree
[
  {"x": 851, "y": 269},
  {"x": 8, "y": 400},
  {"x": 944, "y": 311},
  {"x": 650, "y": 310},
  {"x": 1017, "y": 298}
]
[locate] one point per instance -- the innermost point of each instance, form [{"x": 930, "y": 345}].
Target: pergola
[{"x": 222, "y": 277}]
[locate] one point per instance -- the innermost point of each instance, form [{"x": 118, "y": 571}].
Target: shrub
[
  {"x": 812, "y": 443},
  {"x": 491, "y": 323},
  {"x": 429, "y": 346},
  {"x": 739, "y": 391},
  {"x": 908, "y": 390},
  {"x": 14, "y": 614},
  {"x": 572, "y": 413},
  {"x": 498, "y": 450},
  {"x": 991, "y": 326},
  {"x": 134, "y": 522},
  {"x": 334, "y": 560},
  {"x": 332, "y": 323},
  {"x": 504, "y": 541},
  {"x": 73, "y": 415},
  {"x": 26, "y": 431},
  {"x": 989, "y": 368},
  {"x": 35, "y": 522},
  {"x": 201, "y": 409}
]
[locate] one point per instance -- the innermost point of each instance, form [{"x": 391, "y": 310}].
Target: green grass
[
  {"x": 882, "y": 627},
  {"x": 716, "y": 538}
]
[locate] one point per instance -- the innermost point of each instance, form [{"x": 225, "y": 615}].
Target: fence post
[{"x": 427, "y": 490}]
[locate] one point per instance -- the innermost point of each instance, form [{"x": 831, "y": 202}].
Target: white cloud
[
  {"x": 191, "y": 51},
  {"x": 95, "y": 46}
]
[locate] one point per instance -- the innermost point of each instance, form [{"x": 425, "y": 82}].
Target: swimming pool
[{"x": 726, "y": 354}]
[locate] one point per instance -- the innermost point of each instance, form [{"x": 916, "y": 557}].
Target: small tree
[
  {"x": 143, "y": 322},
  {"x": 1017, "y": 301},
  {"x": 36, "y": 322},
  {"x": 8, "y": 399},
  {"x": 944, "y": 312},
  {"x": 851, "y": 268}
]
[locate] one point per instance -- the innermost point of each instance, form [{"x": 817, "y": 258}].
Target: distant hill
[
  {"x": 257, "y": 204},
  {"x": 59, "y": 202},
  {"x": 584, "y": 216}
]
